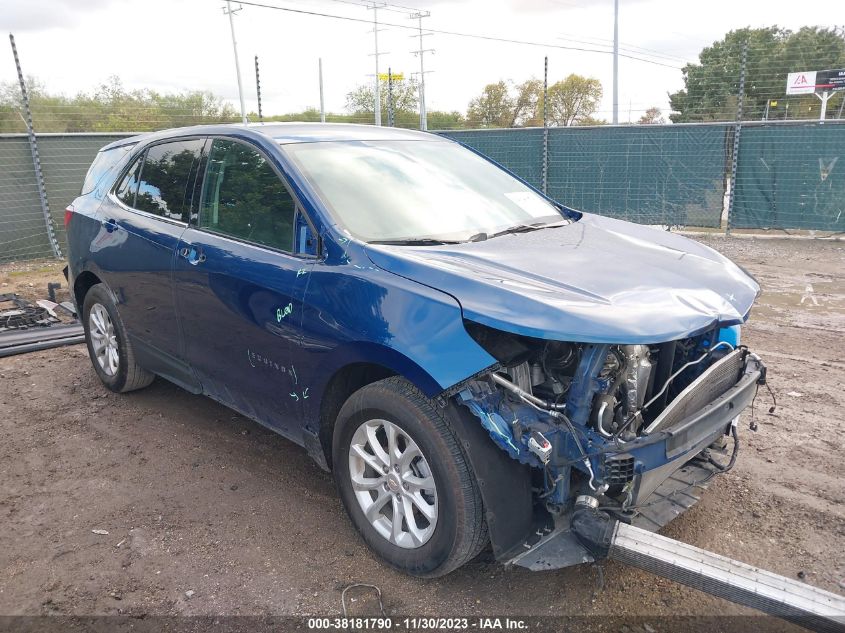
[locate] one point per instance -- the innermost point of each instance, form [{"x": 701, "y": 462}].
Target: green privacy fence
[
  {"x": 652, "y": 174},
  {"x": 672, "y": 175},
  {"x": 791, "y": 177},
  {"x": 789, "y": 174},
  {"x": 518, "y": 149},
  {"x": 65, "y": 159}
]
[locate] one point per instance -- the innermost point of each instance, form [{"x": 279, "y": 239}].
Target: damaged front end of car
[{"x": 640, "y": 427}]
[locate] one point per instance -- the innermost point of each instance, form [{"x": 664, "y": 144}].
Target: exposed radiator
[{"x": 716, "y": 380}]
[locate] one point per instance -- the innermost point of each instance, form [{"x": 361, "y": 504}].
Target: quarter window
[
  {"x": 163, "y": 187},
  {"x": 128, "y": 187},
  {"x": 244, "y": 198},
  {"x": 105, "y": 163}
]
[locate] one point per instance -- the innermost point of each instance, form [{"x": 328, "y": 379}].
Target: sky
[{"x": 173, "y": 45}]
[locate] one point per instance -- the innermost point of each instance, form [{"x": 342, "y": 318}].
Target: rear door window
[
  {"x": 243, "y": 197},
  {"x": 163, "y": 187}
]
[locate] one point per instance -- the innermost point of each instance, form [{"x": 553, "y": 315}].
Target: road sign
[
  {"x": 396, "y": 76},
  {"x": 832, "y": 80},
  {"x": 803, "y": 83}
]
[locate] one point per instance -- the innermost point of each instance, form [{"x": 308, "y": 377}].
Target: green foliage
[
  {"x": 588, "y": 120},
  {"x": 492, "y": 108},
  {"x": 573, "y": 101},
  {"x": 439, "y": 120},
  {"x": 110, "y": 108},
  {"x": 711, "y": 86}
]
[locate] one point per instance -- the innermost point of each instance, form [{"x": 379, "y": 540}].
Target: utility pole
[
  {"x": 322, "y": 105},
  {"x": 36, "y": 158},
  {"x": 615, "y": 62},
  {"x": 737, "y": 132},
  {"x": 377, "y": 91},
  {"x": 545, "y": 125},
  {"x": 421, "y": 53},
  {"x": 258, "y": 90},
  {"x": 228, "y": 11},
  {"x": 389, "y": 97}
]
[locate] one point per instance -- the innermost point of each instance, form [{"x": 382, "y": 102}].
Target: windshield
[{"x": 405, "y": 191}]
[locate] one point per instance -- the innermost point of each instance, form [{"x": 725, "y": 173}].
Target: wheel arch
[
  {"x": 345, "y": 370},
  {"x": 83, "y": 282}
]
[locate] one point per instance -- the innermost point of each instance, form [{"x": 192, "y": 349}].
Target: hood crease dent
[{"x": 597, "y": 280}]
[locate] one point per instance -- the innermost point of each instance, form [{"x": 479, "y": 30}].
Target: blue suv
[{"x": 466, "y": 355}]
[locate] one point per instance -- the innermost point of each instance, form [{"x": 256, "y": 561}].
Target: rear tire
[
  {"x": 406, "y": 462},
  {"x": 108, "y": 344}
]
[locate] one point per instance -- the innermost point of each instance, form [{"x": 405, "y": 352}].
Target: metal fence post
[
  {"x": 36, "y": 160},
  {"x": 545, "y": 173},
  {"x": 737, "y": 133}
]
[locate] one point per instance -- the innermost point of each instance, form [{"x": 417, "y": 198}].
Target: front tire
[
  {"x": 405, "y": 480},
  {"x": 108, "y": 344}
]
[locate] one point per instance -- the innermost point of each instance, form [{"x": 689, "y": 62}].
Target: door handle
[
  {"x": 110, "y": 225},
  {"x": 192, "y": 254}
]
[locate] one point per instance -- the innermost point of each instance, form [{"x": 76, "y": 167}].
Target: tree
[
  {"x": 528, "y": 104},
  {"x": 652, "y": 116},
  {"x": 493, "y": 108},
  {"x": 712, "y": 85},
  {"x": 573, "y": 100},
  {"x": 361, "y": 101}
]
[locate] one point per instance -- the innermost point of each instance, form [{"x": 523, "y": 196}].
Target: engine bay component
[
  {"x": 606, "y": 419},
  {"x": 540, "y": 446}
]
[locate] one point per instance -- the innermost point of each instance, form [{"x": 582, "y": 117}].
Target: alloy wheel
[
  {"x": 103, "y": 339},
  {"x": 393, "y": 483}
]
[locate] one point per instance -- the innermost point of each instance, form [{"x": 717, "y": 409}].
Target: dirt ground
[{"x": 208, "y": 513}]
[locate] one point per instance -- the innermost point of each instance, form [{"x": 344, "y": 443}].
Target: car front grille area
[{"x": 715, "y": 381}]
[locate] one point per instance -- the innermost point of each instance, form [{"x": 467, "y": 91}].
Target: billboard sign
[
  {"x": 831, "y": 80},
  {"x": 803, "y": 83}
]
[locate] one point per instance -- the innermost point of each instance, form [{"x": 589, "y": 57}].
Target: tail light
[{"x": 68, "y": 214}]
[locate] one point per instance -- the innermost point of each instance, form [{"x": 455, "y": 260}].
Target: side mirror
[{"x": 307, "y": 241}]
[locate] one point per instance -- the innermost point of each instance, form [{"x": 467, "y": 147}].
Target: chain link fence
[{"x": 789, "y": 175}]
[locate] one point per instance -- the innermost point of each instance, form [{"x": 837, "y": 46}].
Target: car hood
[{"x": 597, "y": 280}]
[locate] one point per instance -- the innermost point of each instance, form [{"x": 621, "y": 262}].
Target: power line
[
  {"x": 397, "y": 8},
  {"x": 479, "y": 36},
  {"x": 597, "y": 41}
]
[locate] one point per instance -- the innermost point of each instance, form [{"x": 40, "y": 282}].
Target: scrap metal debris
[
  {"x": 28, "y": 327},
  {"x": 17, "y": 313}
]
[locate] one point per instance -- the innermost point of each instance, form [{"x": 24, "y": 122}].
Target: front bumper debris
[{"x": 669, "y": 475}]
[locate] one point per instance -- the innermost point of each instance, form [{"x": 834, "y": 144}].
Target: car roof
[{"x": 285, "y": 133}]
